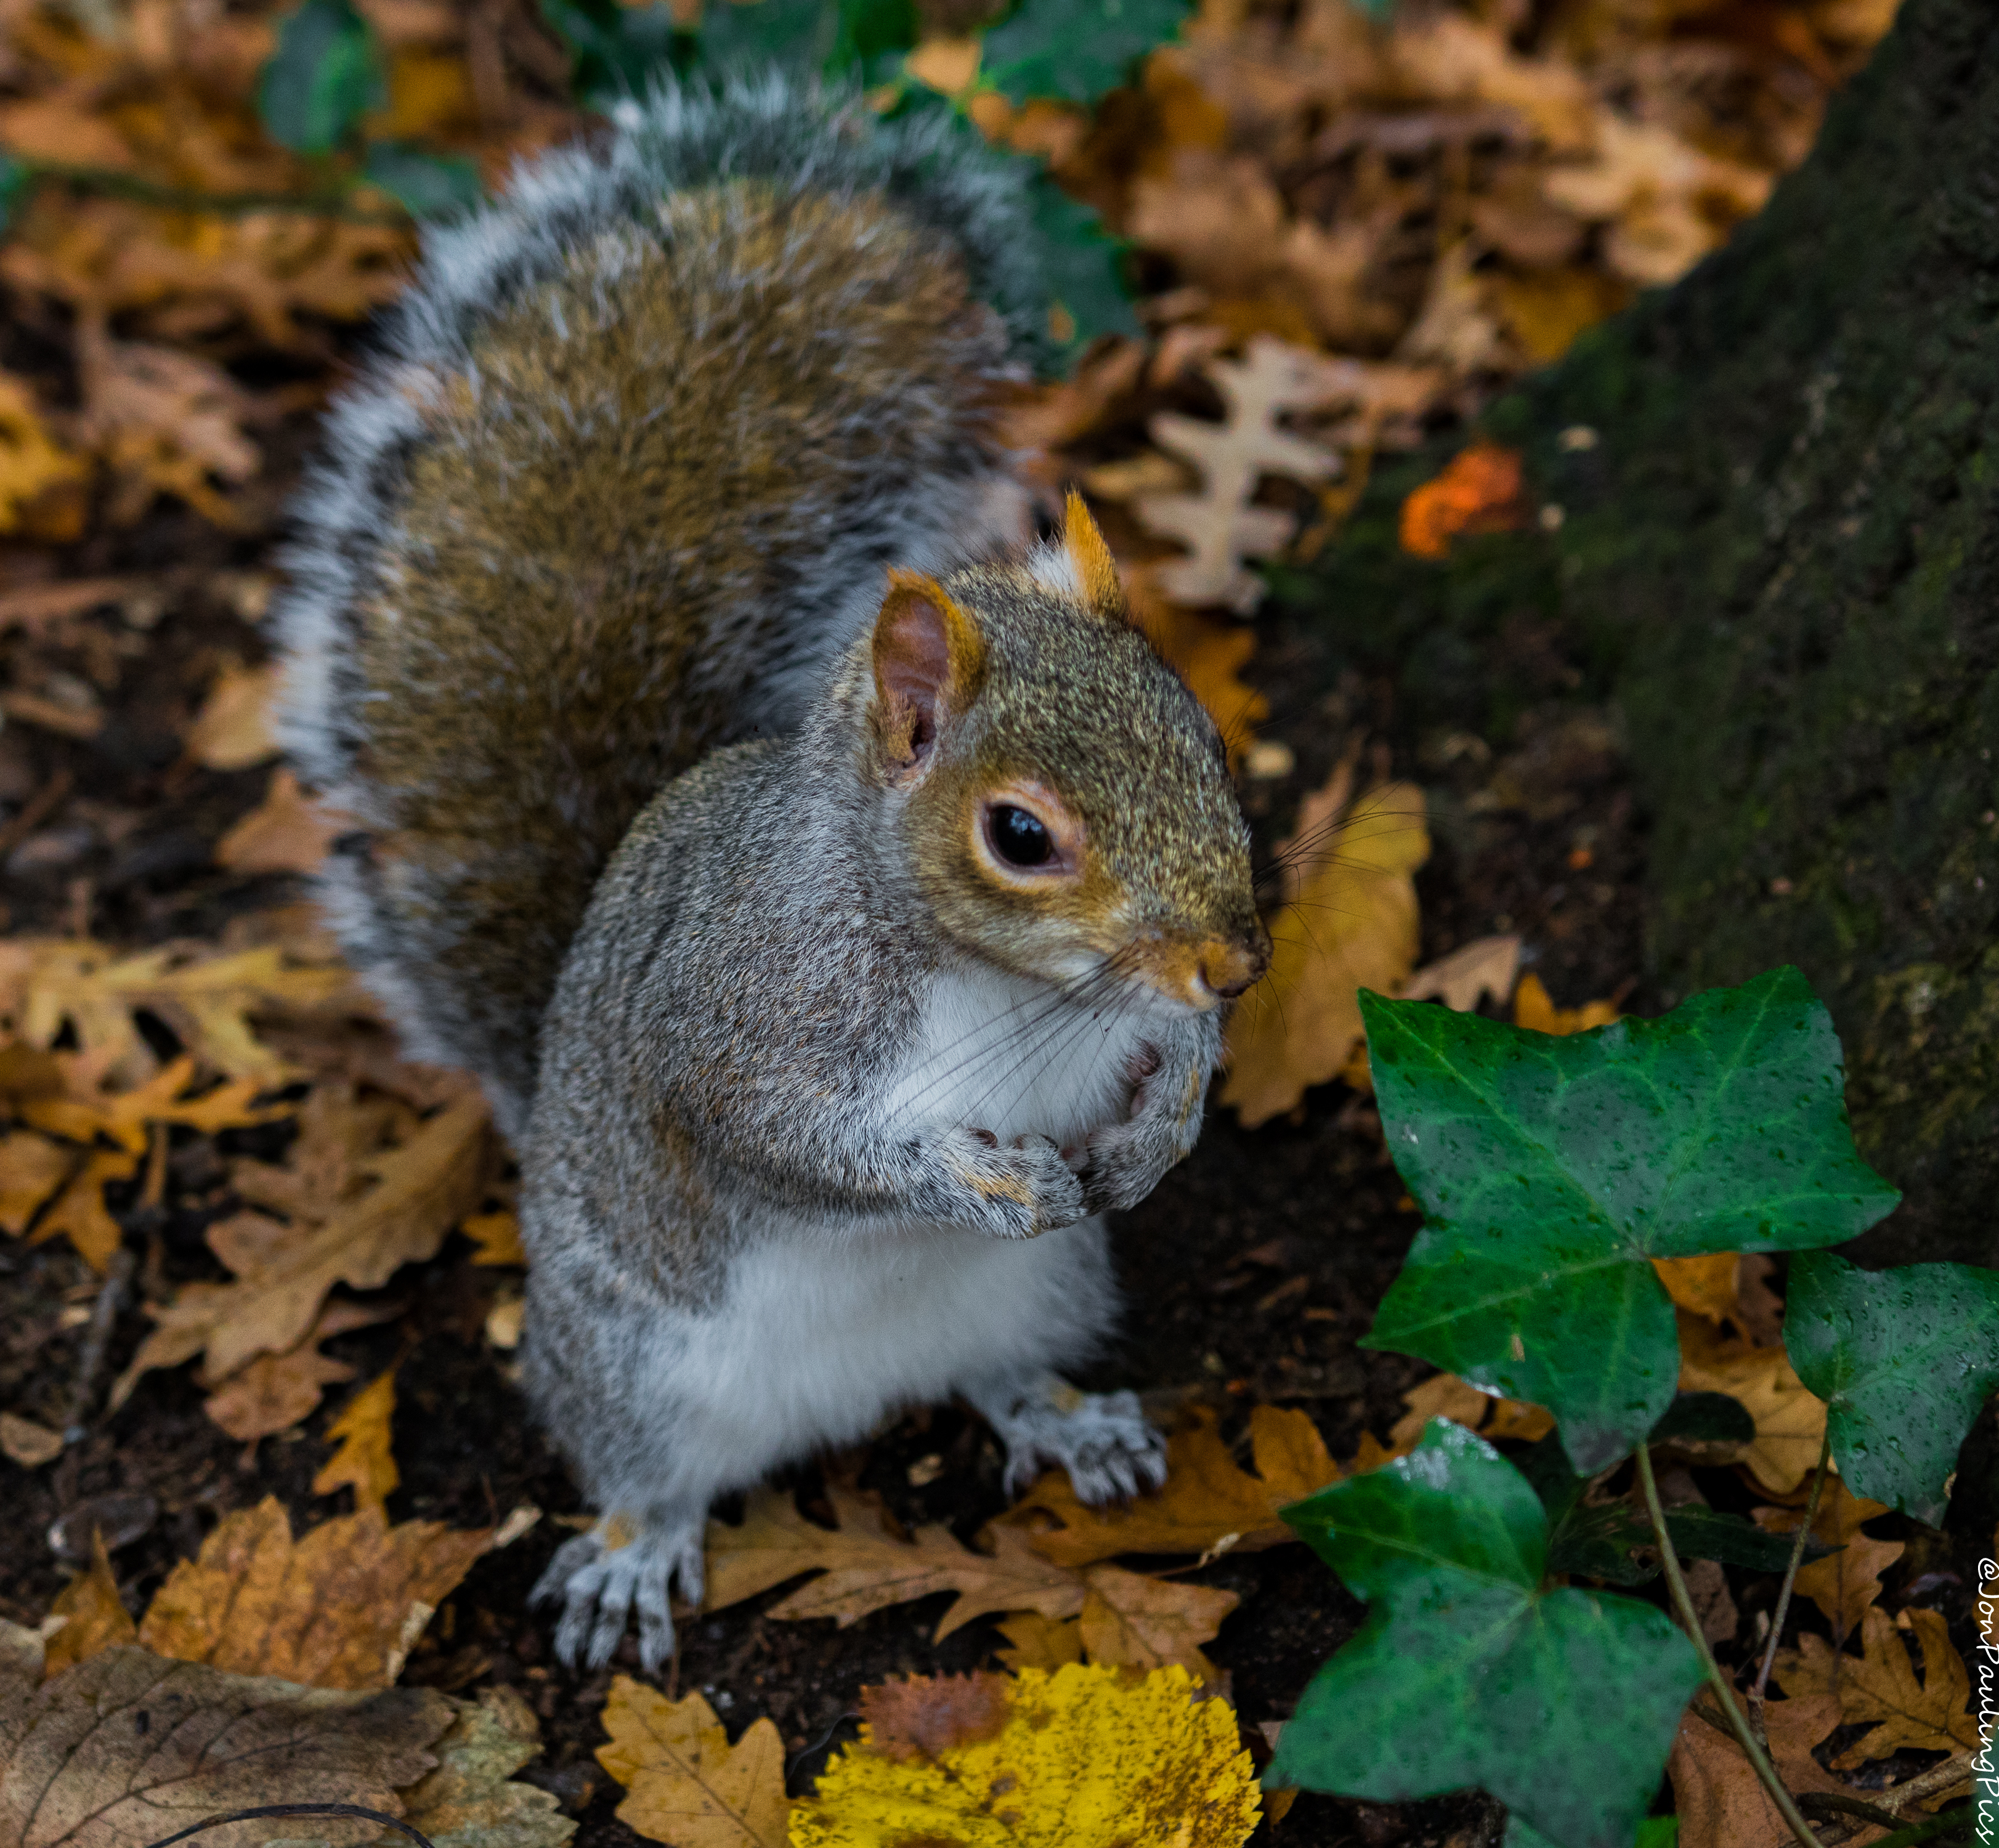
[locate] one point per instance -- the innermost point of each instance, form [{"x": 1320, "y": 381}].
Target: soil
[{"x": 1252, "y": 1273}]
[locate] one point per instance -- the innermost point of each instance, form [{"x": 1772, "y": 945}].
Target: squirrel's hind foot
[
  {"x": 1104, "y": 1440},
  {"x": 601, "y": 1582}
]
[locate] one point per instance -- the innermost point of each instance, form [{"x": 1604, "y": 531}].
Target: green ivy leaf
[
  {"x": 14, "y": 177},
  {"x": 426, "y": 186},
  {"x": 1075, "y": 49},
  {"x": 1466, "y": 1672},
  {"x": 1084, "y": 267},
  {"x": 1552, "y": 1170},
  {"x": 1903, "y": 1359},
  {"x": 873, "y": 36},
  {"x": 324, "y": 76},
  {"x": 1704, "y": 1418},
  {"x": 617, "y": 49},
  {"x": 801, "y": 34}
]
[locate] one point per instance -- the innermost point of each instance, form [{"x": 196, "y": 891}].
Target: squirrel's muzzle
[{"x": 1228, "y": 966}]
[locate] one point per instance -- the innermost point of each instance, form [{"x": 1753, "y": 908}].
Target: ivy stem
[
  {"x": 1731, "y": 1708},
  {"x": 1790, "y": 1580}
]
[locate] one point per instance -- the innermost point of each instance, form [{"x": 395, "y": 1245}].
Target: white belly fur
[
  {"x": 995, "y": 1052},
  {"x": 820, "y": 1337}
]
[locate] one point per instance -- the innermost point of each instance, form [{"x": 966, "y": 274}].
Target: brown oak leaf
[{"x": 1880, "y": 1687}]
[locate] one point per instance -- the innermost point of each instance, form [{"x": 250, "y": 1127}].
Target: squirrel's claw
[
  {"x": 1104, "y": 1440},
  {"x": 599, "y": 1583}
]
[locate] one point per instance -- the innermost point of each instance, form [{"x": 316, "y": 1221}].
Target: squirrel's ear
[
  {"x": 1096, "y": 570},
  {"x": 929, "y": 659}
]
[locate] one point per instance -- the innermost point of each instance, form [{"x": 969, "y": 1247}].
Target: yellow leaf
[
  {"x": 1445, "y": 1396},
  {"x": 1930, "y": 1715},
  {"x": 80, "y": 1214},
  {"x": 31, "y": 1169},
  {"x": 1208, "y": 1503},
  {"x": 94, "y": 1616},
  {"x": 1351, "y": 925},
  {"x": 1536, "y": 1011},
  {"x": 688, "y": 1786},
  {"x": 34, "y": 470},
  {"x": 1790, "y": 1423},
  {"x": 1086, "y": 1757},
  {"x": 497, "y": 1236},
  {"x": 1129, "y": 1621},
  {"x": 365, "y": 1458},
  {"x": 1706, "y": 1284},
  {"x": 340, "y": 1606}
]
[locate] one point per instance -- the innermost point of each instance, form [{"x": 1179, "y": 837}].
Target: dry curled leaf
[
  {"x": 688, "y": 1786},
  {"x": 1461, "y": 980},
  {"x": 340, "y": 1607},
  {"x": 1351, "y": 925},
  {"x": 365, "y": 1459},
  {"x": 1086, "y": 1757},
  {"x": 1218, "y": 525},
  {"x": 1932, "y": 1713},
  {"x": 128, "y": 1747},
  {"x": 276, "y": 1391},
  {"x": 863, "y": 1568},
  {"x": 1209, "y": 1503}
]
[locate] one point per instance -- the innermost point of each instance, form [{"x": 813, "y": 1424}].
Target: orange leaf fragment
[
  {"x": 232, "y": 731},
  {"x": 1482, "y": 490},
  {"x": 1722, "y": 1802},
  {"x": 1534, "y": 1010},
  {"x": 94, "y": 1616},
  {"x": 1843, "y": 1584},
  {"x": 365, "y": 1458},
  {"x": 287, "y": 833}
]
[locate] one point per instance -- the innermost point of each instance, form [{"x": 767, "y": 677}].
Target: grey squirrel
[{"x": 837, "y": 897}]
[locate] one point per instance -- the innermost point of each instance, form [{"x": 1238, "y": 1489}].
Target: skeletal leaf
[
  {"x": 128, "y": 1746},
  {"x": 1086, "y": 1757}
]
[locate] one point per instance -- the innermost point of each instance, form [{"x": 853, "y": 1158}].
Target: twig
[
  {"x": 1690, "y": 1620},
  {"x": 1784, "y": 1595},
  {"x": 228, "y": 205},
  {"x": 1940, "y": 1780},
  {"x": 297, "y": 1809},
  {"x": 1823, "y": 1804},
  {"x": 97, "y": 1343},
  {"x": 1919, "y": 1832},
  {"x": 38, "y": 807}
]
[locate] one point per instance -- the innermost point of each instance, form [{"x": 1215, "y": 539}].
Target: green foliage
[
  {"x": 324, "y": 76},
  {"x": 1903, "y": 1359},
  {"x": 616, "y": 50},
  {"x": 1553, "y": 1170},
  {"x": 14, "y": 177},
  {"x": 1467, "y": 1671},
  {"x": 426, "y": 186},
  {"x": 1084, "y": 265},
  {"x": 1074, "y": 48}
]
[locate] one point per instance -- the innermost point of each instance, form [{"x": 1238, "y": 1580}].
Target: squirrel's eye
[{"x": 1018, "y": 837}]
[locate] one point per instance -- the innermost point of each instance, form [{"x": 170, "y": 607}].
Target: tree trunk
[{"x": 1783, "y": 554}]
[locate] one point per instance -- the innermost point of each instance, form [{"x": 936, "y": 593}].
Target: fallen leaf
[
  {"x": 31, "y": 1169},
  {"x": 94, "y": 1615},
  {"x": 1129, "y": 1621},
  {"x": 1445, "y": 1396},
  {"x": 83, "y": 1113},
  {"x": 1208, "y": 653},
  {"x": 365, "y": 1460},
  {"x": 863, "y": 1568},
  {"x": 276, "y": 1391},
  {"x": 371, "y": 1211},
  {"x": 467, "y": 1802},
  {"x": 79, "y": 1214},
  {"x": 1481, "y": 490},
  {"x": 1704, "y": 1284},
  {"x": 1844, "y": 1584},
  {"x": 1351, "y": 925},
  {"x": 37, "y": 476},
  {"x": 1218, "y": 526},
  {"x": 1086, "y": 1757},
  {"x": 1533, "y": 1010},
  {"x": 126, "y": 1747},
  {"x": 286, "y": 832},
  {"x": 1930, "y": 1715},
  {"x": 1461, "y": 980},
  {"x": 1048, "y": 1642},
  {"x": 1457, "y": 329},
  {"x": 497, "y": 1236},
  {"x": 1208, "y": 1503},
  {"x": 1720, "y": 1800},
  {"x": 1790, "y": 1422},
  {"x": 340, "y": 1606},
  {"x": 232, "y": 731},
  {"x": 687, "y": 1785},
  {"x": 24, "y": 1442}
]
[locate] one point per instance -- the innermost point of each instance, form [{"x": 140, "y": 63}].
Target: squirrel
[{"x": 837, "y": 897}]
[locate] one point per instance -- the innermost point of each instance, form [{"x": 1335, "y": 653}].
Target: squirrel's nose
[{"x": 1228, "y": 967}]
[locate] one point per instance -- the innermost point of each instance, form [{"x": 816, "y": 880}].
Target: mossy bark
[{"x": 1782, "y": 553}]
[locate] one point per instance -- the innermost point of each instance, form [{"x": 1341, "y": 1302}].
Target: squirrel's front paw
[
  {"x": 1124, "y": 1162},
  {"x": 599, "y": 1581},
  {"x": 1016, "y": 1192}
]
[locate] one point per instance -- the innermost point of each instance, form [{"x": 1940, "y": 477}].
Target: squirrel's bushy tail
[{"x": 641, "y": 439}]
